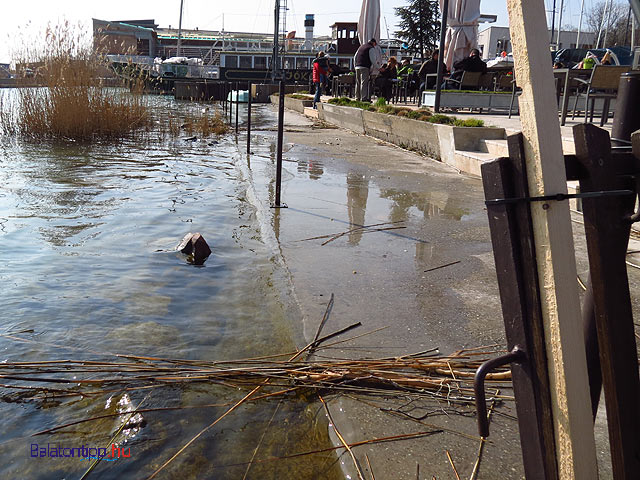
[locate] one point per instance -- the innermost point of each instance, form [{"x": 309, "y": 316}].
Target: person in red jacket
[{"x": 320, "y": 71}]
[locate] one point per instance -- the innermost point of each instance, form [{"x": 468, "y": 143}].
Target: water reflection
[
  {"x": 431, "y": 204},
  {"x": 357, "y": 195}
]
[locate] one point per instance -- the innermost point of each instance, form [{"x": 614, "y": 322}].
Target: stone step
[
  {"x": 311, "y": 112},
  {"x": 470, "y": 162},
  {"x": 496, "y": 147}
]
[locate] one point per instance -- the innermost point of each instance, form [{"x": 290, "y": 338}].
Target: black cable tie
[{"x": 558, "y": 197}]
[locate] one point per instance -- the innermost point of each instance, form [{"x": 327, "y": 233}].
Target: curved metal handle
[
  {"x": 516, "y": 355},
  {"x": 634, "y": 217}
]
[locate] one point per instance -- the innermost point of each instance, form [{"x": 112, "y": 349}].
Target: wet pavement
[{"x": 334, "y": 179}]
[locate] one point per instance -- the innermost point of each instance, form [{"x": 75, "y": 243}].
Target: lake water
[{"x": 88, "y": 268}]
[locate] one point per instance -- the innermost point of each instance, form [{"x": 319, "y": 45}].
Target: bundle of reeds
[{"x": 423, "y": 373}]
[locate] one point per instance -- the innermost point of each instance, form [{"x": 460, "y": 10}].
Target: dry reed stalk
[
  {"x": 366, "y": 230},
  {"x": 476, "y": 466},
  {"x": 442, "y": 266},
  {"x": 203, "y": 431},
  {"x": 255, "y": 451},
  {"x": 453, "y": 465},
  {"x": 373, "y": 477},
  {"x": 348, "y": 231},
  {"x": 342, "y": 440}
]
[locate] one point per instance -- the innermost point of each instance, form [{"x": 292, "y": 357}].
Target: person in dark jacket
[
  {"x": 364, "y": 59},
  {"x": 473, "y": 63},
  {"x": 384, "y": 81},
  {"x": 431, "y": 67},
  {"x": 320, "y": 71}
]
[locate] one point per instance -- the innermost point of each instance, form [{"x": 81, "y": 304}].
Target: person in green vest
[{"x": 405, "y": 68}]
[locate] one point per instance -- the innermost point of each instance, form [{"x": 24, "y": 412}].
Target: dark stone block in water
[{"x": 194, "y": 245}]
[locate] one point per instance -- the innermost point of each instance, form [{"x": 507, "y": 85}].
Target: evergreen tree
[{"x": 419, "y": 25}]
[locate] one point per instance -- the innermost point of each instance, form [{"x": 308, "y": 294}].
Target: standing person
[
  {"x": 320, "y": 71},
  {"x": 365, "y": 58}
]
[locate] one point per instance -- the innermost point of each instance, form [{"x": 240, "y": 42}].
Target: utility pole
[
  {"x": 180, "y": 29},
  {"x": 420, "y": 31}
]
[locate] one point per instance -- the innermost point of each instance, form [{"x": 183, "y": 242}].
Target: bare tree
[{"x": 616, "y": 26}]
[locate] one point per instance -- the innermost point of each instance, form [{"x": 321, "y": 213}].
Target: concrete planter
[
  {"x": 487, "y": 100},
  {"x": 437, "y": 141},
  {"x": 293, "y": 103},
  {"x": 404, "y": 132},
  {"x": 346, "y": 117}
]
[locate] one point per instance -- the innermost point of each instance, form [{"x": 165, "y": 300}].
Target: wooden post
[
  {"x": 553, "y": 238},
  {"x": 607, "y": 232}
]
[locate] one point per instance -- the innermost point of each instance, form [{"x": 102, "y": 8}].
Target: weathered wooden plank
[{"x": 574, "y": 439}]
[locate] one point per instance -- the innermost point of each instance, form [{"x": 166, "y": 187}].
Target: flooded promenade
[{"x": 89, "y": 270}]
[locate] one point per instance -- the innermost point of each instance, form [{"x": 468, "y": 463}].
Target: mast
[
  {"x": 580, "y": 25},
  {"x": 559, "y": 24},
  {"x": 180, "y": 29},
  {"x": 604, "y": 16},
  {"x": 606, "y": 29},
  {"x": 553, "y": 22}
]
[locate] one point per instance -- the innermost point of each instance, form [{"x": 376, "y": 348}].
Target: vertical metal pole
[
  {"x": 230, "y": 103},
  {"x": 237, "y": 104},
  {"x": 223, "y": 98},
  {"x": 553, "y": 23},
  {"x": 626, "y": 119},
  {"x": 441, "y": 55},
  {"x": 179, "y": 30},
  {"x": 249, "y": 118},
  {"x": 226, "y": 105},
  {"x": 279, "y": 146},
  {"x": 275, "y": 68}
]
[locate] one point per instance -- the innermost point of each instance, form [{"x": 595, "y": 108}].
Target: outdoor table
[{"x": 567, "y": 74}]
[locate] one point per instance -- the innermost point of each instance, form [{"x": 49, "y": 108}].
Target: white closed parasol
[{"x": 462, "y": 29}]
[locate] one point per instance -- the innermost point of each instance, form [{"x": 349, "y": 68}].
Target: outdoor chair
[
  {"x": 344, "y": 85},
  {"x": 487, "y": 81},
  {"x": 602, "y": 84},
  {"x": 504, "y": 83},
  {"x": 468, "y": 81},
  {"x": 406, "y": 88}
]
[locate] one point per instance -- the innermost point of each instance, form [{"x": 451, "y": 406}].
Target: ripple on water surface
[{"x": 88, "y": 268}]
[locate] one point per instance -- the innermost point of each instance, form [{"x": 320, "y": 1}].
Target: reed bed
[{"x": 73, "y": 103}]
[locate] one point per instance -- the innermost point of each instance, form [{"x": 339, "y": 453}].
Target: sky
[{"x": 29, "y": 17}]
